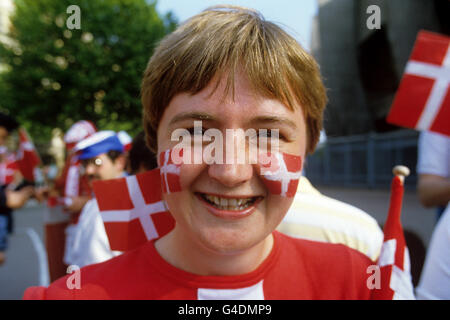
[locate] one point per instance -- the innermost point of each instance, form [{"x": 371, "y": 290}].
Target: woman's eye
[
  {"x": 269, "y": 134},
  {"x": 192, "y": 131}
]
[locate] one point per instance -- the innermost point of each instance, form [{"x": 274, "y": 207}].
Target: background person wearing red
[
  {"x": 102, "y": 156},
  {"x": 70, "y": 194},
  {"x": 9, "y": 199}
]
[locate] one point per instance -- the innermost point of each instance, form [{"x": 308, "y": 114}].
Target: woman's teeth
[{"x": 231, "y": 204}]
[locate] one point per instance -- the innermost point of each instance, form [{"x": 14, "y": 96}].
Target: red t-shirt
[{"x": 295, "y": 269}]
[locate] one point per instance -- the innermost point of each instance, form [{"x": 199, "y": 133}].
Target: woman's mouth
[{"x": 229, "y": 206}]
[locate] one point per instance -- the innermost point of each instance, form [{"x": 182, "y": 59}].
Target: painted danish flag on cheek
[
  {"x": 170, "y": 171},
  {"x": 280, "y": 172}
]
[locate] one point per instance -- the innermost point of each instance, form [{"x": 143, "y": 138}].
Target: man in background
[
  {"x": 70, "y": 194},
  {"x": 102, "y": 157}
]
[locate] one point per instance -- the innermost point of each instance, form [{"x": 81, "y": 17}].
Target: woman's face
[{"x": 226, "y": 208}]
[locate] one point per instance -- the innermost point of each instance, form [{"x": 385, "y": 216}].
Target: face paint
[
  {"x": 170, "y": 171},
  {"x": 280, "y": 172}
]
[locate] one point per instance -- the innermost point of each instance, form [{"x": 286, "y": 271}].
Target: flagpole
[
  {"x": 393, "y": 221},
  {"x": 396, "y": 282}
]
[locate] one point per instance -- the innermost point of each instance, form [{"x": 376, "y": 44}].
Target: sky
[{"x": 295, "y": 16}]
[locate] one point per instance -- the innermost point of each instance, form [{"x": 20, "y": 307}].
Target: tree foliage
[{"x": 56, "y": 76}]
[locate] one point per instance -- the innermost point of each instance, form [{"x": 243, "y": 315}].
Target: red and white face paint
[
  {"x": 280, "y": 172},
  {"x": 170, "y": 171}
]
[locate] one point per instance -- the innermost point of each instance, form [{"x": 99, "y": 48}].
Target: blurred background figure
[
  {"x": 433, "y": 188},
  {"x": 9, "y": 199},
  {"x": 435, "y": 278},
  {"x": 140, "y": 157},
  {"x": 70, "y": 193},
  {"x": 102, "y": 156},
  {"x": 433, "y": 168}
]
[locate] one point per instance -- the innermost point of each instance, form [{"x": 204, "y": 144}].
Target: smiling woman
[{"x": 232, "y": 70}]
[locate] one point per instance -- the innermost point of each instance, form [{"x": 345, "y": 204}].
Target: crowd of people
[{"x": 235, "y": 236}]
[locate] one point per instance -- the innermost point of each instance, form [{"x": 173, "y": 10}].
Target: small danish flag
[
  {"x": 422, "y": 101},
  {"x": 132, "y": 209},
  {"x": 394, "y": 262}
]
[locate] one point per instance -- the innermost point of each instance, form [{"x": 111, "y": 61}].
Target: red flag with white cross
[
  {"x": 27, "y": 157},
  {"x": 281, "y": 172},
  {"x": 394, "y": 262},
  {"x": 132, "y": 209},
  {"x": 422, "y": 101}
]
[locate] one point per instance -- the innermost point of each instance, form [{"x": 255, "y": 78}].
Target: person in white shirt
[
  {"x": 315, "y": 216},
  {"x": 433, "y": 168},
  {"x": 435, "y": 279},
  {"x": 102, "y": 157}
]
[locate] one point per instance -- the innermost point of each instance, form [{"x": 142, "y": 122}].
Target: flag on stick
[
  {"x": 422, "y": 101},
  {"x": 394, "y": 262},
  {"x": 132, "y": 209}
]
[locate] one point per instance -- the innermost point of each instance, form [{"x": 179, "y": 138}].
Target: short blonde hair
[{"x": 219, "y": 41}]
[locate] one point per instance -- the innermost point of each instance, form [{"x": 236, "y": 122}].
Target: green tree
[{"x": 55, "y": 76}]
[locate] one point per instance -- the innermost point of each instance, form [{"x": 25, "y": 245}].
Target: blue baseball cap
[{"x": 98, "y": 143}]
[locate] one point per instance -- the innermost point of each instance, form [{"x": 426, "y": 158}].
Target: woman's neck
[{"x": 192, "y": 257}]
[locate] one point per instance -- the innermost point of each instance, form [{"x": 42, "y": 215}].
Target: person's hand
[
  {"x": 433, "y": 190},
  {"x": 75, "y": 204},
  {"x": 16, "y": 199},
  {"x": 41, "y": 193}
]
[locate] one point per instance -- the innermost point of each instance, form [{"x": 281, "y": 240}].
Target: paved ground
[
  {"x": 26, "y": 258},
  {"x": 26, "y": 263}
]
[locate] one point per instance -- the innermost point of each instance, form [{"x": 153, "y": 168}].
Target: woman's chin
[{"x": 226, "y": 241}]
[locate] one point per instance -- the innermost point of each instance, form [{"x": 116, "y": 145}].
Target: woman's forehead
[{"x": 217, "y": 102}]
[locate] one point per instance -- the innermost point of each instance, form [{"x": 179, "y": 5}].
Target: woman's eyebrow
[
  {"x": 273, "y": 120},
  {"x": 192, "y": 116}
]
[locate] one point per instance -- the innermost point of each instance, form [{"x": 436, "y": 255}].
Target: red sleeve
[{"x": 34, "y": 293}]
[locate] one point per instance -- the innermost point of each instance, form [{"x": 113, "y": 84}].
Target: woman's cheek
[{"x": 189, "y": 173}]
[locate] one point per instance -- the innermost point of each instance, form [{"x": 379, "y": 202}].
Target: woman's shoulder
[{"x": 339, "y": 269}]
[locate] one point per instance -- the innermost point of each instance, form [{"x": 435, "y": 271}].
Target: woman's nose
[{"x": 231, "y": 175}]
